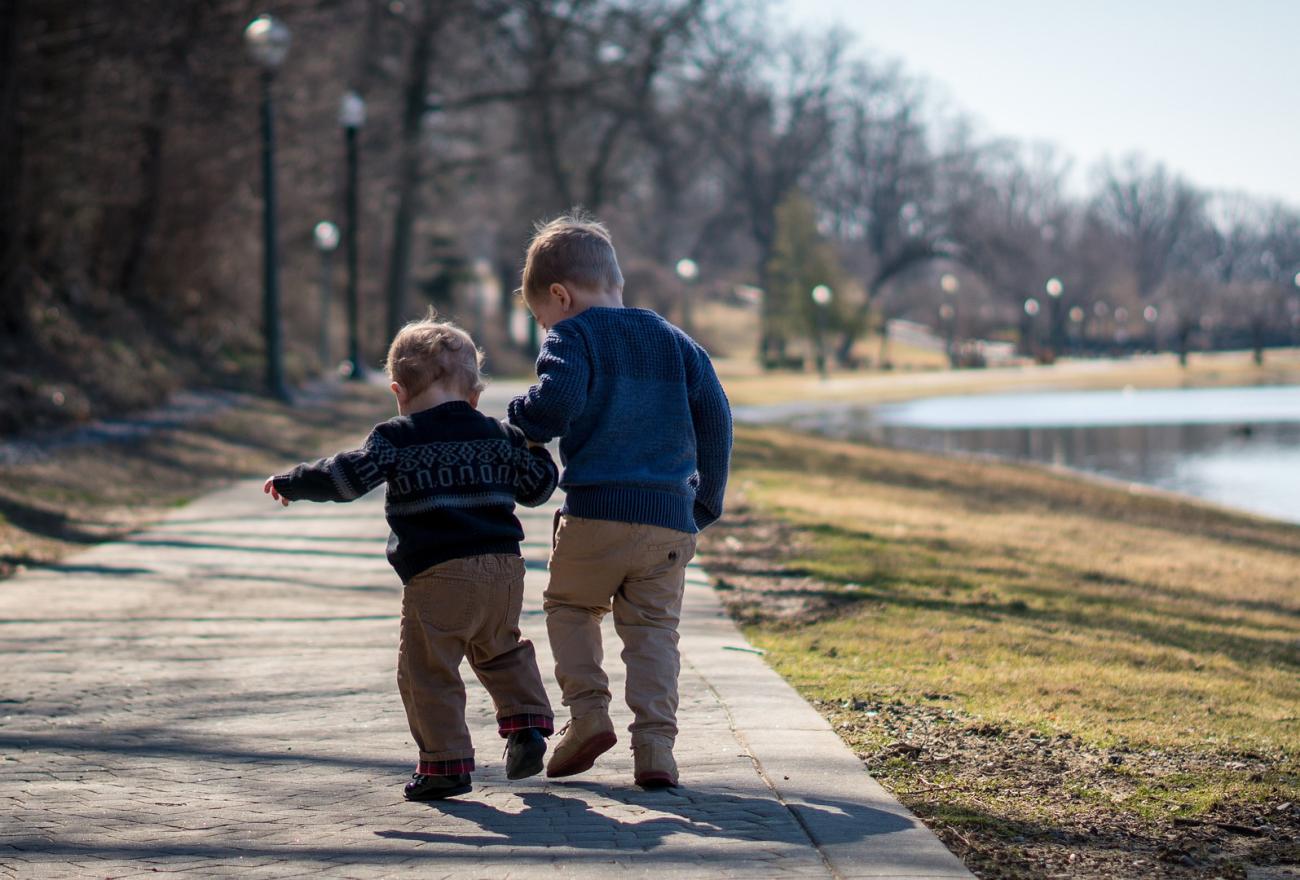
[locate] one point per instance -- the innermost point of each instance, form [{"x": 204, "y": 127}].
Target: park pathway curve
[{"x": 215, "y": 696}]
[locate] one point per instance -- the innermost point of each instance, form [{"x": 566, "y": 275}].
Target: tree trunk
[
  {"x": 844, "y": 351},
  {"x": 12, "y": 301},
  {"x": 143, "y": 217},
  {"x": 409, "y": 177}
]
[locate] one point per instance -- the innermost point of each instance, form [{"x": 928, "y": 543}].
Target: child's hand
[{"x": 269, "y": 488}]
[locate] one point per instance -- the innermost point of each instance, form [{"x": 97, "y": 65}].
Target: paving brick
[{"x": 215, "y": 696}]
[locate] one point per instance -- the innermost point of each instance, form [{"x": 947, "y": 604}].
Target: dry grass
[
  {"x": 746, "y": 384},
  {"x": 730, "y": 333},
  {"x": 1021, "y": 653},
  {"x": 84, "y": 494},
  {"x": 1039, "y": 598}
]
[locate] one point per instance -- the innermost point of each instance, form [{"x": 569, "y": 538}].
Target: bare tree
[
  {"x": 1152, "y": 211},
  {"x": 1015, "y": 228},
  {"x": 428, "y": 21},
  {"x": 769, "y": 137},
  {"x": 884, "y": 191}
]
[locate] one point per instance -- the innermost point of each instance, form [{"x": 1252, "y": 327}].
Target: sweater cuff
[
  {"x": 703, "y": 516},
  {"x": 515, "y": 412}
]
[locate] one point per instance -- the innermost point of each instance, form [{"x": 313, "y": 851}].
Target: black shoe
[
  {"x": 524, "y": 751},
  {"x": 435, "y": 788}
]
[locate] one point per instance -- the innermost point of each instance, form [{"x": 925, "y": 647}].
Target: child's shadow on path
[{"x": 553, "y": 820}]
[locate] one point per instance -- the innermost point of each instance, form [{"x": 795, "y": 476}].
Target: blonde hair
[
  {"x": 574, "y": 247},
  {"x": 430, "y": 351}
]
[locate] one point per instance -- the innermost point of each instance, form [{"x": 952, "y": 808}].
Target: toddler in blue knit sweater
[{"x": 645, "y": 438}]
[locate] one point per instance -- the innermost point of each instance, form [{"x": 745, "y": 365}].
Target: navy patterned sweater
[
  {"x": 453, "y": 476},
  {"x": 644, "y": 425}
]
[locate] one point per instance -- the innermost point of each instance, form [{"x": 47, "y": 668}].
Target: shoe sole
[
  {"x": 530, "y": 765},
  {"x": 442, "y": 793},
  {"x": 585, "y": 757},
  {"x": 656, "y": 780}
]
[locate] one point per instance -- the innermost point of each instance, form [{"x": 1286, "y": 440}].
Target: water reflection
[{"x": 1238, "y": 447}]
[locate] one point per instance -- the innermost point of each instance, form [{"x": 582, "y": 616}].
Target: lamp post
[
  {"x": 1031, "y": 311},
  {"x": 687, "y": 270},
  {"x": 1120, "y": 337},
  {"x": 352, "y": 115},
  {"x": 821, "y": 297},
  {"x": 1054, "y": 289},
  {"x": 1100, "y": 310},
  {"x": 949, "y": 284},
  {"x": 1293, "y": 308},
  {"x": 326, "y": 235},
  {"x": 267, "y": 40},
  {"x": 1076, "y": 315},
  {"x": 1151, "y": 315}
]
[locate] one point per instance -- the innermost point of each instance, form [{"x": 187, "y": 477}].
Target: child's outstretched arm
[
  {"x": 563, "y": 370},
  {"x": 711, "y": 417},
  {"x": 340, "y": 477}
]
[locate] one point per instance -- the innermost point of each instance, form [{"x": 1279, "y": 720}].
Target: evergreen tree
[{"x": 801, "y": 260}]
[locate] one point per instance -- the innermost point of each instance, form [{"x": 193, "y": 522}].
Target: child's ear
[
  {"x": 398, "y": 390},
  {"x": 561, "y": 295},
  {"x": 473, "y": 398}
]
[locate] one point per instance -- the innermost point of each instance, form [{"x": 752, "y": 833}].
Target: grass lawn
[{"x": 1058, "y": 675}]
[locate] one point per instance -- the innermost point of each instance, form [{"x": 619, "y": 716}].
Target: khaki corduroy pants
[
  {"x": 638, "y": 572},
  {"x": 464, "y": 608}
]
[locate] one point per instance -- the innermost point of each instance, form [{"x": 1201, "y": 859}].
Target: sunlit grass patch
[{"x": 1011, "y": 649}]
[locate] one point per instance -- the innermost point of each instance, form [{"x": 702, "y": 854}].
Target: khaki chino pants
[
  {"x": 639, "y": 572},
  {"x": 464, "y": 608}
]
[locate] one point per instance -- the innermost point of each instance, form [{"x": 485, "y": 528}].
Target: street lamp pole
[
  {"x": 1054, "y": 290},
  {"x": 352, "y": 114},
  {"x": 1075, "y": 335},
  {"x": 949, "y": 284},
  {"x": 326, "y": 235},
  {"x": 1151, "y": 315},
  {"x": 1294, "y": 308},
  {"x": 268, "y": 43},
  {"x": 1031, "y": 312},
  {"x": 687, "y": 270},
  {"x": 821, "y": 296}
]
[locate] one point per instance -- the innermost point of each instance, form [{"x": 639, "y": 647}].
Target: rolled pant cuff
[
  {"x": 509, "y": 724},
  {"x": 587, "y": 705},
  {"x": 452, "y": 767},
  {"x": 462, "y": 754},
  {"x": 646, "y": 739}
]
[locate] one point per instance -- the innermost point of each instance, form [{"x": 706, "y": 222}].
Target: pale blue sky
[{"x": 1212, "y": 89}]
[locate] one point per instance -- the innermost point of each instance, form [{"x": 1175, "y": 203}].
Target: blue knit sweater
[{"x": 644, "y": 426}]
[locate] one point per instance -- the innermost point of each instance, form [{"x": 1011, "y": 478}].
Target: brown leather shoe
[
  {"x": 653, "y": 764},
  {"x": 585, "y": 738}
]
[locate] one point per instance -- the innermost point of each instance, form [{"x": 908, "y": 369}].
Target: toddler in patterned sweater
[{"x": 453, "y": 476}]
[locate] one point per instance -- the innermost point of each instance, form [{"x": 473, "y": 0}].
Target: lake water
[{"x": 1235, "y": 446}]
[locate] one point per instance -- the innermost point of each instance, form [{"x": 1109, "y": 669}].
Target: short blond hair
[
  {"x": 574, "y": 247},
  {"x": 430, "y": 351}
]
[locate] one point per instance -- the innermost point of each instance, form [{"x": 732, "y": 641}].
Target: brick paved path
[{"x": 216, "y": 696}]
